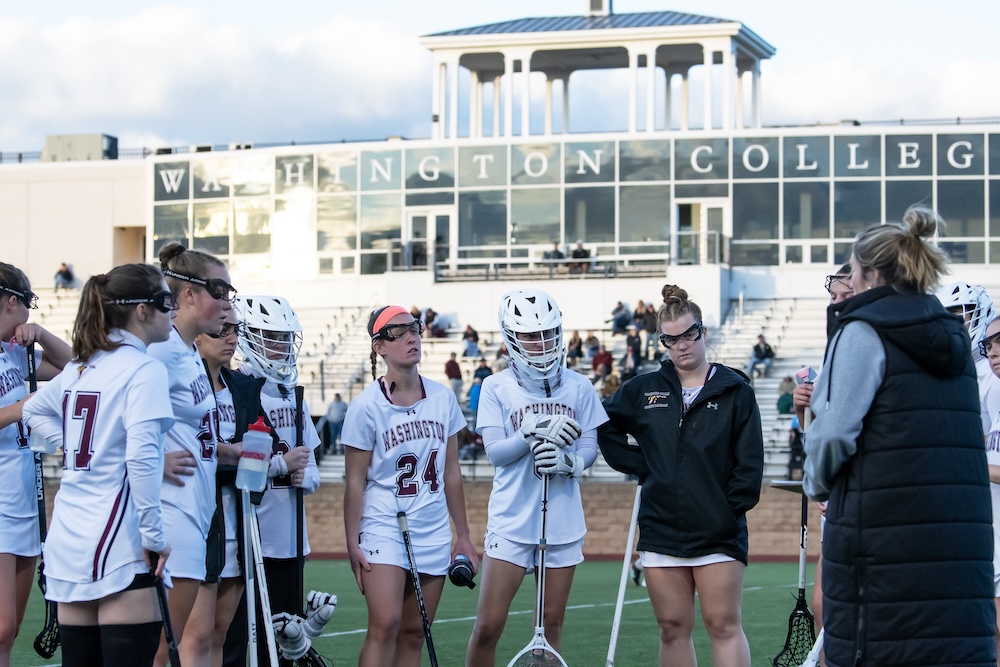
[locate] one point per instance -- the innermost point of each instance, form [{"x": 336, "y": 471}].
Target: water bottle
[
  {"x": 460, "y": 571},
  {"x": 251, "y": 473}
]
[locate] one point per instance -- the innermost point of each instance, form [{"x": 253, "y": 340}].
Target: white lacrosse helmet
[
  {"x": 976, "y": 304},
  {"x": 536, "y": 363},
  {"x": 270, "y": 340}
]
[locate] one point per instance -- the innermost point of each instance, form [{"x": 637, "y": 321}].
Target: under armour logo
[
  {"x": 372, "y": 553},
  {"x": 495, "y": 545},
  {"x": 712, "y": 406},
  {"x": 411, "y": 412}
]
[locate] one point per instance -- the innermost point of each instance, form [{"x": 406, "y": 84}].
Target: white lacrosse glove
[
  {"x": 560, "y": 429},
  {"x": 527, "y": 429},
  {"x": 319, "y": 610},
  {"x": 289, "y": 632},
  {"x": 551, "y": 459}
]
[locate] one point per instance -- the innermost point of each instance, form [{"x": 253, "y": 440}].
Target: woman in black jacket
[{"x": 700, "y": 460}]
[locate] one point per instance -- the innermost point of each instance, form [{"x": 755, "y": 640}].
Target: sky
[{"x": 190, "y": 72}]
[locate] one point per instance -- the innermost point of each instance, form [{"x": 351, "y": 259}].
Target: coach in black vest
[{"x": 897, "y": 448}]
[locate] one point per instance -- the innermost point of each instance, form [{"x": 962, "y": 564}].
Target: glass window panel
[
  {"x": 337, "y": 172},
  {"x": 841, "y": 253},
  {"x": 590, "y": 162},
  {"x": 857, "y": 156},
  {"x": 251, "y": 226},
  {"x": 294, "y": 174},
  {"x": 908, "y": 155},
  {"x": 701, "y": 190},
  {"x": 817, "y": 254},
  {"x": 807, "y": 210},
  {"x": 381, "y": 217},
  {"x": 170, "y": 223},
  {"x": 754, "y": 254},
  {"x": 535, "y": 164},
  {"x": 644, "y": 212},
  {"x": 482, "y": 166},
  {"x": 901, "y": 195},
  {"x": 806, "y": 157},
  {"x": 701, "y": 159},
  {"x": 534, "y": 216},
  {"x": 381, "y": 170},
  {"x": 336, "y": 223},
  {"x": 171, "y": 180},
  {"x": 755, "y": 157},
  {"x": 964, "y": 252},
  {"x": 994, "y": 153},
  {"x": 374, "y": 263},
  {"x": 994, "y": 252},
  {"x": 644, "y": 161},
  {"x": 590, "y": 215},
  {"x": 856, "y": 206},
  {"x": 482, "y": 218},
  {"x": 347, "y": 264},
  {"x": 961, "y": 205},
  {"x": 325, "y": 265},
  {"x": 430, "y": 198},
  {"x": 793, "y": 254},
  {"x": 755, "y": 212},
  {"x": 960, "y": 154},
  {"x": 211, "y": 227},
  {"x": 211, "y": 179},
  {"x": 430, "y": 168},
  {"x": 995, "y": 211},
  {"x": 252, "y": 175}
]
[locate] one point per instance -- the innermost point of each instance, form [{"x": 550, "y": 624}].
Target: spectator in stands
[
  {"x": 610, "y": 386},
  {"x": 428, "y": 318},
  {"x": 502, "y": 360},
  {"x": 762, "y": 353},
  {"x": 785, "y": 390},
  {"x": 471, "y": 448},
  {"x": 554, "y": 257},
  {"x": 574, "y": 349},
  {"x": 591, "y": 344},
  {"x": 583, "y": 256},
  {"x": 64, "y": 277},
  {"x": 474, "y": 390},
  {"x": 333, "y": 423},
  {"x": 628, "y": 365},
  {"x": 471, "y": 340},
  {"x": 482, "y": 370},
  {"x": 640, "y": 308},
  {"x": 602, "y": 363},
  {"x": 798, "y": 454},
  {"x": 633, "y": 346},
  {"x": 620, "y": 317},
  {"x": 453, "y": 372},
  {"x": 649, "y": 325}
]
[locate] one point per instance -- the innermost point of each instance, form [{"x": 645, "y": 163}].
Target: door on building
[
  {"x": 427, "y": 238},
  {"x": 704, "y": 227}
]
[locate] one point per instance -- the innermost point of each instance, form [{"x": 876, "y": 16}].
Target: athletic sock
[
  {"x": 131, "y": 645},
  {"x": 81, "y": 645}
]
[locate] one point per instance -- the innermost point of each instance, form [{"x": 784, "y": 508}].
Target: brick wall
[{"x": 773, "y": 524}]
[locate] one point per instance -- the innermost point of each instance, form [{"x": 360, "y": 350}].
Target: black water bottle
[{"x": 460, "y": 571}]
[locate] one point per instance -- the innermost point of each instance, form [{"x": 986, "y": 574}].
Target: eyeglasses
[
  {"x": 987, "y": 343},
  {"x": 164, "y": 301},
  {"x": 693, "y": 333},
  {"x": 217, "y": 288},
  {"x": 27, "y": 297},
  {"x": 844, "y": 281},
  {"x": 391, "y": 332},
  {"x": 228, "y": 329}
]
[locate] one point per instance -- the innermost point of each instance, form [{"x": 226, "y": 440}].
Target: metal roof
[{"x": 580, "y": 23}]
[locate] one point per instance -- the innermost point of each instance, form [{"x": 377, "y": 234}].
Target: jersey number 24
[{"x": 408, "y": 465}]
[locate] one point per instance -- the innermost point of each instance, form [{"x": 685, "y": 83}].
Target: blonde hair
[
  {"x": 676, "y": 305},
  {"x": 902, "y": 254}
]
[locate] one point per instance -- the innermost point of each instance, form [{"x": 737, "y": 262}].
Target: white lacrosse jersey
[
  {"x": 17, "y": 492},
  {"x": 989, "y": 392},
  {"x": 95, "y": 527},
  {"x": 516, "y": 499},
  {"x": 409, "y": 446},
  {"x": 194, "y": 430},
  {"x": 993, "y": 459},
  {"x": 227, "y": 429},
  {"x": 277, "y": 512}
]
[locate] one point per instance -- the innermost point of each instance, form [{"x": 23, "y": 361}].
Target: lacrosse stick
[
  {"x": 47, "y": 640},
  {"x": 417, "y": 591},
  {"x": 265, "y": 601},
  {"x": 626, "y": 562},
  {"x": 248, "y": 579},
  {"x": 812, "y": 660},
  {"x": 168, "y": 627},
  {"x": 538, "y": 651},
  {"x": 300, "y": 557}
]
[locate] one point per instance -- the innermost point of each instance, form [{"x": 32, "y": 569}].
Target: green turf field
[{"x": 768, "y": 599}]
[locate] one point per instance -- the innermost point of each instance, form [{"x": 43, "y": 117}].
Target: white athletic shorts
[
  {"x": 526, "y": 555},
  {"x": 19, "y": 536},
  {"x": 112, "y": 582},
  {"x": 187, "y": 545},
  {"x": 432, "y": 560},
  {"x": 651, "y": 559}
]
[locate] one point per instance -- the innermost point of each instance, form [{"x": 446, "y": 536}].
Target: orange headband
[{"x": 386, "y": 315}]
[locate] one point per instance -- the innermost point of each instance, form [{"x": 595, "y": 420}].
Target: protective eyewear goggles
[
  {"x": 228, "y": 329},
  {"x": 27, "y": 297},
  {"x": 843, "y": 281},
  {"x": 217, "y": 288},
  {"x": 391, "y": 332},
  {"x": 692, "y": 333},
  {"x": 986, "y": 344},
  {"x": 164, "y": 301}
]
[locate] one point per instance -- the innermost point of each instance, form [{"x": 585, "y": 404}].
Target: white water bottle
[{"x": 251, "y": 473}]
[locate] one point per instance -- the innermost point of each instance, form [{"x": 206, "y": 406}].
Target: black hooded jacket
[
  {"x": 907, "y": 549},
  {"x": 701, "y": 471}
]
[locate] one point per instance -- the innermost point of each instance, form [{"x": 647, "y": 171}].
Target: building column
[
  {"x": 436, "y": 99},
  {"x": 633, "y": 69},
  {"x": 526, "y": 95},
  {"x": 650, "y": 89},
  {"x": 685, "y": 99},
  {"x": 667, "y": 100},
  {"x": 508, "y": 100},
  {"x": 740, "y": 102},
  {"x": 475, "y": 117},
  {"x": 756, "y": 93},
  {"x": 728, "y": 72},
  {"x": 707, "y": 62},
  {"x": 453, "y": 100},
  {"x": 496, "y": 106},
  {"x": 548, "y": 104},
  {"x": 565, "y": 104}
]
